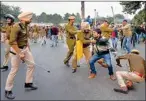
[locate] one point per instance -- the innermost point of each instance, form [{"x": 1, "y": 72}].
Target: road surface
[{"x": 62, "y": 84}]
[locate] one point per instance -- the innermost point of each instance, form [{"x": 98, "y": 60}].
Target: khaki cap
[
  {"x": 26, "y": 16},
  {"x": 135, "y": 51},
  {"x": 85, "y": 25},
  {"x": 71, "y": 17}
]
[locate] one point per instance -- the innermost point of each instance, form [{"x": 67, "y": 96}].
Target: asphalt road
[{"x": 62, "y": 84}]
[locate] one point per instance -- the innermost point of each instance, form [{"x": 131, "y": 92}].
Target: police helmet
[{"x": 10, "y": 17}]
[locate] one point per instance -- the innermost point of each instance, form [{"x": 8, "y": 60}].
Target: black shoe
[
  {"x": 44, "y": 42},
  {"x": 74, "y": 70},
  {"x": 51, "y": 45},
  {"x": 78, "y": 65},
  {"x": 121, "y": 91},
  {"x": 5, "y": 68},
  {"x": 67, "y": 64},
  {"x": 9, "y": 95},
  {"x": 30, "y": 86}
]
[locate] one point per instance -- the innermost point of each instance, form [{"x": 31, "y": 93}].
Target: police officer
[
  {"x": 137, "y": 71},
  {"x": 84, "y": 36},
  {"x": 70, "y": 38},
  {"x": 19, "y": 45},
  {"x": 35, "y": 33},
  {"x": 10, "y": 22}
]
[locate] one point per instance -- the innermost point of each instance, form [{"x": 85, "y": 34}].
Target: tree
[
  {"x": 119, "y": 16},
  {"x": 43, "y": 17},
  {"x": 66, "y": 16},
  {"x": 110, "y": 19},
  {"x": 73, "y": 14},
  {"x": 78, "y": 18},
  {"x": 139, "y": 18},
  {"x": 56, "y": 19},
  {"x": 35, "y": 19},
  {"x": 6, "y": 9},
  {"x": 131, "y": 7}
]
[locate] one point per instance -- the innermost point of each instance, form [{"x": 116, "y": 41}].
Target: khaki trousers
[
  {"x": 125, "y": 75},
  {"x": 71, "y": 45},
  {"x": 15, "y": 61},
  {"x": 87, "y": 54},
  {"x": 35, "y": 36},
  {"x": 7, "y": 51}
]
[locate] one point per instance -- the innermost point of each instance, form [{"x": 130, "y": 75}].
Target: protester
[
  {"x": 102, "y": 51},
  {"x": 127, "y": 36},
  {"x": 54, "y": 34}
]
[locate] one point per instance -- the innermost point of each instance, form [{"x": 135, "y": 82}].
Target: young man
[
  {"x": 19, "y": 45},
  {"x": 106, "y": 32},
  {"x": 137, "y": 71},
  {"x": 10, "y": 22},
  {"x": 54, "y": 33},
  {"x": 126, "y": 28},
  {"x": 102, "y": 51}
]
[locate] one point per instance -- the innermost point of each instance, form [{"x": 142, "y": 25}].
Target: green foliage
[
  {"x": 119, "y": 16},
  {"x": 139, "y": 18},
  {"x": 66, "y": 16},
  {"x": 131, "y": 7},
  {"x": 5, "y": 9}
]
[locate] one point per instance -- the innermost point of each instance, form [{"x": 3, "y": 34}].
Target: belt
[
  {"x": 22, "y": 47},
  {"x": 138, "y": 74},
  {"x": 72, "y": 38}
]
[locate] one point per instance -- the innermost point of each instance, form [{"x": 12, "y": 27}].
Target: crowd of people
[
  {"x": 41, "y": 33},
  {"x": 103, "y": 38}
]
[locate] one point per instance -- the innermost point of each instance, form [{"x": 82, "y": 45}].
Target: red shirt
[{"x": 113, "y": 34}]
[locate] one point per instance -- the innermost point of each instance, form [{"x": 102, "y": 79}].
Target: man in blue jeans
[
  {"x": 54, "y": 37},
  {"x": 126, "y": 28},
  {"x": 102, "y": 51}
]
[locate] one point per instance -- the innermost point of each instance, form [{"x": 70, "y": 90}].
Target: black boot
[
  {"x": 74, "y": 70},
  {"x": 5, "y": 68},
  {"x": 30, "y": 86},
  {"x": 9, "y": 95}
]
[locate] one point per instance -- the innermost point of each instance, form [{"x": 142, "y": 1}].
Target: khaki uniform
[
  {"x": 127, "y": 30},
  {"x": 106, "y": 31},
  {"x": 137, "y": 66},
  {"x": 19, "y": 36},
  {"x": 35, "y": 32},
  {"x": 70, "y": 40},
  {"x": 7, "y": 49},
  {"x": 85, "y": 39},
  {"x": 43, "y": 35}
]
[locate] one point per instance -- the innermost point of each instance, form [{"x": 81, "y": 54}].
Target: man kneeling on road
[
  {"x": 19, "y": 45},
  {"x": 136, "y": 73}
]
